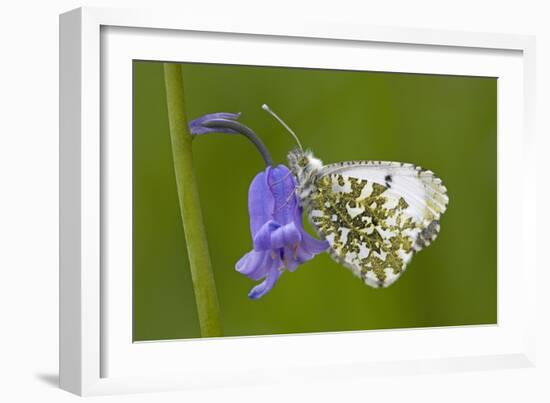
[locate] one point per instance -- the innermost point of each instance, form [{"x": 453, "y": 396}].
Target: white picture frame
[{"x": 96, "y": 354}]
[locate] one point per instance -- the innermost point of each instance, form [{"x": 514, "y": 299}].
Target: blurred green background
[{"x": 443, "y": 123}]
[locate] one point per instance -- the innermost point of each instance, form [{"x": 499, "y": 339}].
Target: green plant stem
[{"x": 191, "y": 215}]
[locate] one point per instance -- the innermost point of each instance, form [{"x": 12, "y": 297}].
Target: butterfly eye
[{"x": 302, "y": 162}]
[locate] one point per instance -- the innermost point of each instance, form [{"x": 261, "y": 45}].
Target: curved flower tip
[
  {"x": 279, "y": 238},
  {"x": 198, "y": 126}
]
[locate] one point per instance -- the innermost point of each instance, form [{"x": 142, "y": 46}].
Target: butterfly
[{"x": 375, "y": 215}]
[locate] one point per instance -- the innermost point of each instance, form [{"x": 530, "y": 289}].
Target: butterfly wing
[{"x": 376, "y": 215}]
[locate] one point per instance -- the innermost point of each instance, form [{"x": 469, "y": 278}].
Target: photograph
[
  {"x": 252, "y": 202},
  {"x": 270, "y": 200}
]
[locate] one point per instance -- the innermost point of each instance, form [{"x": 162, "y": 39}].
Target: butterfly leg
[
  {"x": 280, "y": 180},
  {"x": 288, "y": 199}
]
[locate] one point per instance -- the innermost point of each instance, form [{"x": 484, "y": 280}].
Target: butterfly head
[{"x": 305, "y": 167}]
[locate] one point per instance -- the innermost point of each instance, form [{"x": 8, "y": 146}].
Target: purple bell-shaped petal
[{"x": 280, "y": 241}]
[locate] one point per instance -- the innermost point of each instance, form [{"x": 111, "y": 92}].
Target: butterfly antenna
[{"x": 268, "y": 110}]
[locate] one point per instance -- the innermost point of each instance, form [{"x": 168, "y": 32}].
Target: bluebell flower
[{"x": 279, "y": 238}]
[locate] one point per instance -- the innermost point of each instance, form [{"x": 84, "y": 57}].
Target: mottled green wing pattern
[{"x": 371, "y": 228}]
